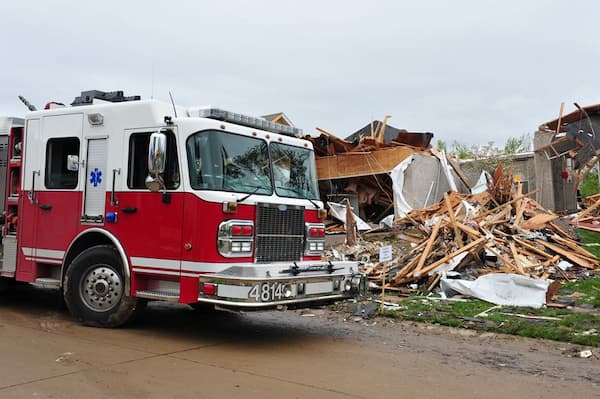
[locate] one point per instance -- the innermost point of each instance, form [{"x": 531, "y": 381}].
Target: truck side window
[
  {"x": 57, "y": 173},
  {"x": 138, "y": 162}
]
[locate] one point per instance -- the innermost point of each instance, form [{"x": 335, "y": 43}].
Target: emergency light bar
[{"x": 245, "y": 120}]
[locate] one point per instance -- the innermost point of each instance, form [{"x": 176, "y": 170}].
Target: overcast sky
[{"x": 472, "y": 71}]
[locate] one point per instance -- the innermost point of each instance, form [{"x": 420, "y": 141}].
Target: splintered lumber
[
  {"x": 580, "y": 251},
  {"x": 350, "y": 226},
  {"x": 569, "y": 255},
  {"x": 471, "y": 232},
  {"x": 446, "y": 258},
  {"x": 453, "y": 221},
  {"x": 518, "y": 264},
  {"x": 505, "y": 205},
  {"x": 533, "y": 248},
  {"x": 587, "y": 211},
  {"x": 538, "y": 221},
  {"x": 430, "y": 242}
]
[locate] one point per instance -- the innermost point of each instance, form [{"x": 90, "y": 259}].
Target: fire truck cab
[{"x": 118, "y": 200}]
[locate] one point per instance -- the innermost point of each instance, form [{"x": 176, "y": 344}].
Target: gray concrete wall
[{"x": 556, "y": 194}]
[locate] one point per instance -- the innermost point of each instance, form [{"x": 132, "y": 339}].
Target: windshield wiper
[
  {"x": 300, "y": 193},
  {"x": 245, "y": 197}
]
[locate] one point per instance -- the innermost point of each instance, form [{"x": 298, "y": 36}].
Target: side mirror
[
  {"x": 157, "y": 152},
  {"x": 73, "y": 163}
]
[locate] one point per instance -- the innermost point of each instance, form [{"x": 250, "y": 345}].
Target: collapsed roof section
[
  {"x": 575, "y": 137},
  {"x": 362, "y": 167}
]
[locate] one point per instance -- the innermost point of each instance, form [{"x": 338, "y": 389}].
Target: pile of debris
[
  {"x": 589, "y": 218},
  {"x": 501, "y": 230}
]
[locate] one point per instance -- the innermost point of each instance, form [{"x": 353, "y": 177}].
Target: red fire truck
[{"x": 118, "y": 200}]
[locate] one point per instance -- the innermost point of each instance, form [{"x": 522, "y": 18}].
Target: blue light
[{"x": 111, "y": 217}]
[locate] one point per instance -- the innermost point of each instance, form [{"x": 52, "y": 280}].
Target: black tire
[{"x": 94, "y": 289}]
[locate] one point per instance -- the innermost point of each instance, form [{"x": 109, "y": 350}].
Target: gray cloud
[{"x": 473, "y": 71}]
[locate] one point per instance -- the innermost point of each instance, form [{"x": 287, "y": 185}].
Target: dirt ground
[{"x": 175, "y": 352}]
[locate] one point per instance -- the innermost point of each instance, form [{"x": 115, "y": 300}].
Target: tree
[
  {"x": 515, "y": 145},
  {"x": 441, "y": 145},
  {"x": 461, "y": 151}
]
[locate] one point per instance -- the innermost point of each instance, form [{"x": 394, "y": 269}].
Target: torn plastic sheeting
[
  {"x": 338, "y": 211},
  {"x": 501, "y": 289},
  {"x": 420, "y": 181},
  {"x": 447, "y": 169},
  {"x": 401, "y": 207},
  {"x": 481, "y": 184}
]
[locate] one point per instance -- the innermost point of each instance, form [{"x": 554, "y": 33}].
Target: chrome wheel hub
[{"x": 101, "y": 288}]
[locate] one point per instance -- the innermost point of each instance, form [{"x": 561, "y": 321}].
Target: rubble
[{"x": 501, "y": 230}]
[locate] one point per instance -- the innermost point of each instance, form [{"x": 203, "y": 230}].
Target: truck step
[
  {"x": 163, "y": 295},
  {"x": 47, "y": 282}
]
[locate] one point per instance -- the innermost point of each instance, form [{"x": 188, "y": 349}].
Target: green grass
[
  {"x": 572, "y": 327},
  {"x": 589, "y": 185}
]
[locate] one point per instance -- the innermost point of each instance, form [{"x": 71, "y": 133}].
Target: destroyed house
[{"x": 566, "y": 149}]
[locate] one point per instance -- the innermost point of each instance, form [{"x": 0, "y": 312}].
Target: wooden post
[
  {"x": 457, "y": 236},
  {"x": 430, "y": 242}
]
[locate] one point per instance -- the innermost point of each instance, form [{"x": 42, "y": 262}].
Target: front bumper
[{"x": 266, "y": 286}]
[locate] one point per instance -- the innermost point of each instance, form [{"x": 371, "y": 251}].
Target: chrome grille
[{"x": 279, "y": 232}]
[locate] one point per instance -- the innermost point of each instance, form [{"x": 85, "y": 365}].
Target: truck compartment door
[{"x": 95, "y": 184}]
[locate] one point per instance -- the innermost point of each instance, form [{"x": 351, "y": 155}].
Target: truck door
[
  {"x": 150, "y": 223},
  {"x": 50, "y": 211}
]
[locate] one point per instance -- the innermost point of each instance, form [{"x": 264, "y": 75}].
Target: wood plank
[
  {"x": 506, "y": 204},
  {"x": 430, "y": 242},
  {"x": 457, "y": 236},
  {"x": 572, "y": 245},
  {"x": 587, "y": 211},
  {"x": 516, "y": 258},
  {"x": 538, "y": 222},
  {"x": 352, "y": 164},
  {"x": 569, "y": 255},
  {"x": 533, "y": 248},
  {"x": 446, "y": 258}
]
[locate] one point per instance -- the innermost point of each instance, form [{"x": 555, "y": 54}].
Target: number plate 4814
[{"x": 267, "y": 292}]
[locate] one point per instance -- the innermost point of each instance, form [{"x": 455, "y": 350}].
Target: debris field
[{"x": 502, "y": 230}]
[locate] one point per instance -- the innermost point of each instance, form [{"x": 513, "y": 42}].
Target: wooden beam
[
  {"x": 587, "y": 211},
  {"x": 457, "y": 236},
  {"x": 450, "y": 256},
  {"x": 352, "y": 164},
  {"x": 430, "y": 242},
  {"x": 569, "y": 255}
]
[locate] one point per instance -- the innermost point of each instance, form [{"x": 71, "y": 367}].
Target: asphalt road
[{"x": 174, "y": 352}]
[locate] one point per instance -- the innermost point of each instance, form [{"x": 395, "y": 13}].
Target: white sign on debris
[{"x": 385, "y": 253}]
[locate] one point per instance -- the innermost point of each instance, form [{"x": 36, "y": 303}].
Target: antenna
[
  {"x": 152, "y": 93},
  {"x": 30, "y": 106},
  {"x": 172, "y": 102}
]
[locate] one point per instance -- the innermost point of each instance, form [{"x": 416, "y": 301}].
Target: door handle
[
  {"x": 45, "y": 207},
  {"x": 32, "y": 198},
  {"x": 129, "y": 209}
]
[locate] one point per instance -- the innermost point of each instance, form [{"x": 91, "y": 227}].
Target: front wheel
[{"x": 94, "y": 289}]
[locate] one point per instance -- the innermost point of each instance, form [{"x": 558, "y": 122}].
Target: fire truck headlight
[{"x": 246, "y": 246}]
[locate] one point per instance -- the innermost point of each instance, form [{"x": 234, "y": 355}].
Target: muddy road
[{"x": 175, "y": 352}]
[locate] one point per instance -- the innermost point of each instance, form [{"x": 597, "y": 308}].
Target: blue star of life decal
[{"x": 96, "y": 177}]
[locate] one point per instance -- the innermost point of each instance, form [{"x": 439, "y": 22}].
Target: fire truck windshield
[
  {"x": 294, "y": 171},
  {"x": 229, "y": 162}
]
